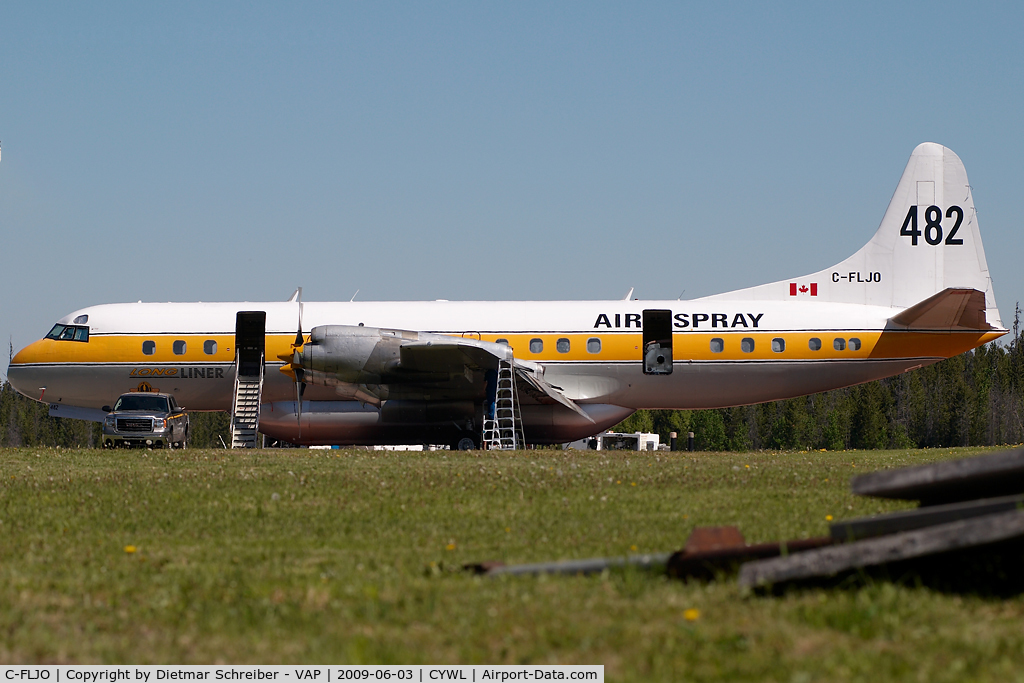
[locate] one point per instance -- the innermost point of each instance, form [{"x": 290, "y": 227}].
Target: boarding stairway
[
  {"x": 503, "y": 430},
  {"x": 245, "y": 409}
]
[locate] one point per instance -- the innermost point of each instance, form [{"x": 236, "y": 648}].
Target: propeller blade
[
  {"x": 298, "y": 407},
  {"x": 296, "y": 365},
  {"x": 300, "y": 389}
]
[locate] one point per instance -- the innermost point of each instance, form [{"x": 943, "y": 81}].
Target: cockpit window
[
  {"x": 69, "y": 332},
  {"x": 82, "y": 319},
  {"x": 151, "y": 403}
]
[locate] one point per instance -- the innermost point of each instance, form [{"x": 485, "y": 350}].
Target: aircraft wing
[
  {"x": 458, "y": 355},
  {"x": 469, "y": 355},
  {"x": 536, "y": 385},
  {"x": 951, "y": 309},
  {"x": 414, "y": 365}
]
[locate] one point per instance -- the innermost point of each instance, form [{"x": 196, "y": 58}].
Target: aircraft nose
[{"x": 22, "y": 374}]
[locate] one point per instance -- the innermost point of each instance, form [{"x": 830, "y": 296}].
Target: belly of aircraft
[
  {"x": 695, "y": 385},
  {"x": 692, "y": 384}
]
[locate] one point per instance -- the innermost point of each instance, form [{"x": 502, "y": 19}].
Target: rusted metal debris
[
  {"x": 709, "y": 551},
  {"x": 707, "y": 564},
  {"x": 971, "y": 512},
  {"x": 706, "y": 539}
]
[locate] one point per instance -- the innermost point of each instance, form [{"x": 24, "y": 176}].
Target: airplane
[{"x": 433, "y": 371}]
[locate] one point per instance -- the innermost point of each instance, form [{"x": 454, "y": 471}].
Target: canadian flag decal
[{"x": 796, "y": 289}]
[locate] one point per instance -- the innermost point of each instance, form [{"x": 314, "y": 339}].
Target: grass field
[{"x": 338, "y": 557}]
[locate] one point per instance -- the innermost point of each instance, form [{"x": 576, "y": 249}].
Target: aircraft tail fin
[{"x": 928, "y": 242}]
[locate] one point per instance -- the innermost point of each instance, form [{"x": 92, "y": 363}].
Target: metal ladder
[
  {"x": 245, "y": 409},
  {"x": 504, "y": 431}
]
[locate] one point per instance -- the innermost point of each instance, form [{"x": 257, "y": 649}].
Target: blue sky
[{"x": 234, "y": 151}]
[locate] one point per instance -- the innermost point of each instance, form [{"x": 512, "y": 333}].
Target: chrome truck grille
[{"x": 134, "y": 424}]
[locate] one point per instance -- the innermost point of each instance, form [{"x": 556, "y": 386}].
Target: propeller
[{"x": 293, "y": 363}]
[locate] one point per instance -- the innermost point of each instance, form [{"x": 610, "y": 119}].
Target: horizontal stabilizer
[{"x": 951, "y": 309}]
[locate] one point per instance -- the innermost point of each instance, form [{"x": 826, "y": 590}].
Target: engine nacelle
[
  {"x": 373, "y": 364},
  {"x": 352, "y": 354}
]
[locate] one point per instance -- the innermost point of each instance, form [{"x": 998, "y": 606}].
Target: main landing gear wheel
[{"x": 466, "y": 443}]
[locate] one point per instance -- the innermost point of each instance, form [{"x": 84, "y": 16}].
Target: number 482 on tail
[{"x": 932, "y": 225}]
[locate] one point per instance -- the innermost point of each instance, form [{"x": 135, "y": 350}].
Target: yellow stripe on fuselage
[
  {"x": 625, "y": 347},
  {"x": 615, "y": 347}
]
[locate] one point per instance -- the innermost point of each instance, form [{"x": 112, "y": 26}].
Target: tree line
[
  {"x": 974, "y": 399},
  {"x": 24, "y": 422}
]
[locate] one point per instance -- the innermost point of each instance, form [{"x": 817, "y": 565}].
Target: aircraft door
[
  {"x": 657, "y": 326},
  {"x": 250, "y": 340}
]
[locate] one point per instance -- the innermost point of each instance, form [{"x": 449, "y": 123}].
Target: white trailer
[{"x": 619, "y": 441}]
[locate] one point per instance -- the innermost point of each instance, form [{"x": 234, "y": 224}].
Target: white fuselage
[{"x": 724, "y": 353}]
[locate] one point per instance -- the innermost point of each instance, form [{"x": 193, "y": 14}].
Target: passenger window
[
  {"x": 839, "y": 344},
  {"x": 562, "y": 345},
  {"x": 814, "y": 344},
  {"x": 717, "y": 345},
  {"x": 149, "y": 347},
  {"x": 82, "y": 334},
  {"x": 536, "y": 345},
  {"x": 747, "y": 345},
  {"x": 178, "y": 347},
  {"x": 593, "y": 345},
  {"x": 210, "y": 347},
  {"x": 778, "y": 345},
  {"x": 855, "y": 344},
  {"x": 501, "y": 341}
]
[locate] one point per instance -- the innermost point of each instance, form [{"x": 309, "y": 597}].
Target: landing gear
[{"x": 465, "y": 443}]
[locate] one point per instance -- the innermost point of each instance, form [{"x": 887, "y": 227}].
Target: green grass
[{"x": 353, "y": 557}]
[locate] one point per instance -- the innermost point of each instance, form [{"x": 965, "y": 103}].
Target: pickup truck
[{"x": 148, "y": 420}]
